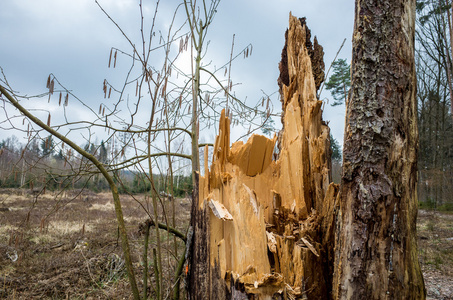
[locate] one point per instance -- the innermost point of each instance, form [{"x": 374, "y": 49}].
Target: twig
[
  {"x": 229, "y": 76},
  {"x": 338, "y": 52},
  {"x": 56, "y": 246}
]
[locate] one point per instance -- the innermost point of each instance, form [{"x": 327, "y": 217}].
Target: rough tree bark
[
  {"x": 376, "y": 253},
  {"x": 264, "y": 227}
]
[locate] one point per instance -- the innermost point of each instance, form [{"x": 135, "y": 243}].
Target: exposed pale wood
[{"x": 282, "y": 211}]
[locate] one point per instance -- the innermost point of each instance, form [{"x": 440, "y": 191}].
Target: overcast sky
[{"x": 72, "y": 39}]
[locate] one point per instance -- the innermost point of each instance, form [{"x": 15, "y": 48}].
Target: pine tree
[
  {"x": 335, "y": 147},
  {"x": 47, "y": 146},
  {"x": 340, "y": 82}
]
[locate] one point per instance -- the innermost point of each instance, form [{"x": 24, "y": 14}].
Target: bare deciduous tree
[{"x": 145, "y": 123}]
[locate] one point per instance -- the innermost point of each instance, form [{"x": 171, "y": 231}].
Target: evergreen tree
[
  {"x": 47, "y": 146},
  {"x": 335, "y": 147},
  {"x": 340, "y": 81},
  {"x": 60, "y": 155},
  {"x": 103, "y": 153}
]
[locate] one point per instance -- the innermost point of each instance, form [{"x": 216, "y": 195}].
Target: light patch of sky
[{"x": 72, "y": 39}]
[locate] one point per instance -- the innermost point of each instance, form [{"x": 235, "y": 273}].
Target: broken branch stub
[{"x": 265, "y": 225}]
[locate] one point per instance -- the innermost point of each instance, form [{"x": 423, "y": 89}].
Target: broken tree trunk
[
  {"x": 376, "y": 245},
  {"x": 264, "y": 227}
]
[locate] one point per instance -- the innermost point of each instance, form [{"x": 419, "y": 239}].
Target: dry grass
[
  {"x": 68, "y": 248},
  {"x": 107, "y": 207}
]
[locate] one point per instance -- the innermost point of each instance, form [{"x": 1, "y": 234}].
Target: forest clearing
[
  {"x": 69, "y": 248},
  {"x": 58, "y": 259}
]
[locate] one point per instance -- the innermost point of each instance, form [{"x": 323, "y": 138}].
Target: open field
[{"x": 67, "y": 247}]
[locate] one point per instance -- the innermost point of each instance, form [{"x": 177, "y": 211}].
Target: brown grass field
[{"x": 66, "y": 246}]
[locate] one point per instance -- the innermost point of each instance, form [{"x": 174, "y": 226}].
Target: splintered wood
[{"x": 271, "y": 213}]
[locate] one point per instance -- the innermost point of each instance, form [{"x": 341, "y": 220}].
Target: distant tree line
[{"x": 40, "y": 165}]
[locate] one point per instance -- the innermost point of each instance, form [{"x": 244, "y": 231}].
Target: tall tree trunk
[{"x": 376, "y": 247}]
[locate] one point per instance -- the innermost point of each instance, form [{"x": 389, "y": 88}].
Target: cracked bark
[{"x": 376, "y": 245}]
